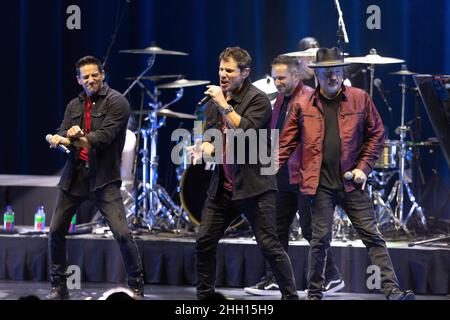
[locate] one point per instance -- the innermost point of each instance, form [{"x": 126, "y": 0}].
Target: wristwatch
[{"x": 228, "y": 109}]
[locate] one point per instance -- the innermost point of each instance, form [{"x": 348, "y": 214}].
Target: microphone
[
  {"x": 350, "y": 176},
  {"x": 377, "y": 82},
  {"x": 61, "y": 147},
  {"x": 204, "y": 100}
]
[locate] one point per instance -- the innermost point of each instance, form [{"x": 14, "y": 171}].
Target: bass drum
[{"x": 194, "y": 185}]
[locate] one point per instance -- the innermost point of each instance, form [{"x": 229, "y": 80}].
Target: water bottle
[
  {"x": 39, "y": 219},
  {"x": 8, "y": 219},
  {"x": 73, "y": 223}
]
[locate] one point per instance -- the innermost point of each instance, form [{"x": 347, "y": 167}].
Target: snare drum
[{"x": 389, "y": 156}]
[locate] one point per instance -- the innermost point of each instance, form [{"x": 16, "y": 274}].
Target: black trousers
[
  {"x": 260, "y": 212},
  {"x": 358, "y": 206},
  {"x": 109, "y": 201},
  {"x": 288, "y": 202}
]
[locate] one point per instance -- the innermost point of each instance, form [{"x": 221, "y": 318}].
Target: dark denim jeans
[
  {"x": 287, "y": 204},
  {"x": 358, "y": 206},
  {"x": 260, "y": 212},
  {"x": 109, "y": 201}
]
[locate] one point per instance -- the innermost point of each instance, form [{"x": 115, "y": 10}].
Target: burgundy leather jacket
[
  {"x": 360, "y": 129},
  {"x": 294, "y": 160}
]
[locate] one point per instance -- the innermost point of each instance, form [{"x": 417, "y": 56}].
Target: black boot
[
  {"x": 137, "y": 286},
  {"x": 59, "y": 289}
]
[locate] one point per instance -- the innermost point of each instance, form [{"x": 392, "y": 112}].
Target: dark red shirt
[
  {"x": 87, "y": 125},
  {"x": 227, "y": 168}
]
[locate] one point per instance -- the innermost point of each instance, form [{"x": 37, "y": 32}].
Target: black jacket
[
  {"x": 254, "y": 107},
  {"x": 109, "y": 118}
]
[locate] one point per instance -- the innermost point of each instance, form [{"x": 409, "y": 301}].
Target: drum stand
[
  {"x": 401, "y": 183},
  {"x": 159, "y": 212}
]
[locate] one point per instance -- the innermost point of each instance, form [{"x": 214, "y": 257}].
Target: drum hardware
[
  {"x": 157, "y": 77},
  {"x": 401, "y": 182},
  {"x": 373, "y": 59},
  {"x": 341, "y": 225},
  {"x": 151, "y": 200},
  {"x": 385, "y": 213}
]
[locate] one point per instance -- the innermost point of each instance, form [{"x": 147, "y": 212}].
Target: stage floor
[
  {"x": 13, "y": 290},
  {"x": 169, "y": 262}
]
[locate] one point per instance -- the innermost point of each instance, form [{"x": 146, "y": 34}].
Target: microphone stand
[
  {"x": 342, "y": 37},
  {"x": 114, "y": 36}
]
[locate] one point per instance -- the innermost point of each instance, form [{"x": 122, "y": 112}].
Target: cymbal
[
  {"x": 311, "y": 52},
  {"x": 267, "y": 85},
  {"x": 168, "y": 113},
  {"x": 403, "y": 73},
  {"x": 373, "y": 58},
  {"x": 156, "y": 77},
  {"x": 154, "y": 50},
  {"x": 182, "y": 83}
]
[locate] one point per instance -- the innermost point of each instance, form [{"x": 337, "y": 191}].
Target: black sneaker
[
  {"x": 333, "y": 285},
  {"x": 267, "y": 287},
  {"x": 397, "y": 294},
  {"x": 58, "y": 293},
  {"x": 137, "y": 286}
]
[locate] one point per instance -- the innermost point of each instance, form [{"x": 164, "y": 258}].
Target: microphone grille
[
  {"x": 377, "y": 82},
  {"x": 348, "y": 175}
]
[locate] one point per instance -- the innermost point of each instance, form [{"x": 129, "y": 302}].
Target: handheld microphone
[
  {"x": 377, "y": 82},
  {"x": 350, "y": 176},
  {"x": 204, "y": 100},
  {"x": 61, "y": 147}
]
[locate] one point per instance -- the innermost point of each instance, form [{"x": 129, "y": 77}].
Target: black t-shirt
[{"x": 330, "y": 173}]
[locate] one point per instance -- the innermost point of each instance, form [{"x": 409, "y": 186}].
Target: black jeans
[
  {"x": 358, "y": 206},
  {"x": 260, "y": 212},
  {"x": 287, "y": 204},
  {"x": 109, "y": 201}
]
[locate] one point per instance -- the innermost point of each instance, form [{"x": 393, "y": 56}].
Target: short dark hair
[
  {"x": 308, "y": 42},
  {"x": 241, "y": 56},
  {"x": 88, "y": 60},
  {"x": 292, "y": 62}
]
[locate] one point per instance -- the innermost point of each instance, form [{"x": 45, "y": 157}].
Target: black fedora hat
[{"x": 328, "y": 58}]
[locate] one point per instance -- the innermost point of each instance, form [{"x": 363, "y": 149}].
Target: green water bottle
[
  {"x": 8, "y": 219},
  {"x": 39, "y": 219}
]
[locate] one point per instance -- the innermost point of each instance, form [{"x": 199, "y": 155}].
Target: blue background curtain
[{"x": 38, "y": 54}]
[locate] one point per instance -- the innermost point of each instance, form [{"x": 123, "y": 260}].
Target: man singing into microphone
[
  {"x": 93, "y": 128},
  {"x": 238, "y": 187},
  {"x": 338, "y": 129}
]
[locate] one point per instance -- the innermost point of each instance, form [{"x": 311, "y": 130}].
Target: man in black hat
[{"x": 340, "y": 133}]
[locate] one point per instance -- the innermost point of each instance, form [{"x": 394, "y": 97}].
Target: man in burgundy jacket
[
  {"x": 286, "y": 75},
  {"x": 339, "y": 131}
]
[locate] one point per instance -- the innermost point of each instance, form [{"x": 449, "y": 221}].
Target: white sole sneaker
[
  {"x": 261, "y": 292},
  {"x": 340, "y": 286}
]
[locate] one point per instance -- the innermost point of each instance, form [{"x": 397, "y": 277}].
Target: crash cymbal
[
  {"x": 373, "y": 58},
  {"x": 403, "y": 73},
  {"x": 267, "y": 85},
  {"x": 311, "y": 52},
  {"x": 182, "y": 83},
  {"x": 168, "y": 113},
  {"x": 154, "y": 50},
  {"x": 157, "y": 77}
]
